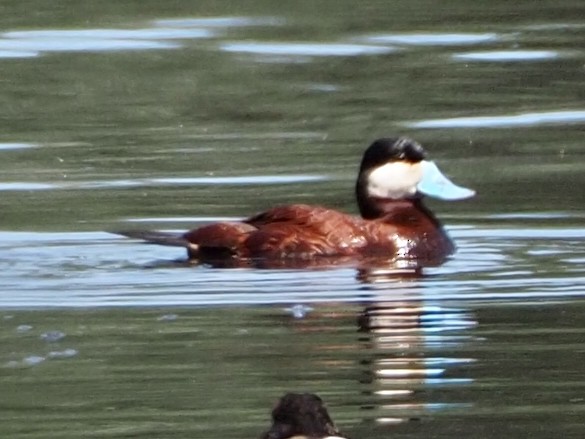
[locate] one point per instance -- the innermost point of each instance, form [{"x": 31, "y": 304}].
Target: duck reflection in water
[
  {"x": 394, "y": 226},
  {"x": 301, "y": 416},
  {"x": 412, "y": 363},
  {"x": 411, "y": 346},
  {"x": 412, "y": 350}
]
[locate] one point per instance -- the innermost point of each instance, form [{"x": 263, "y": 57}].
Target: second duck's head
[
  {"x": 301, "y": 416},
  {"x": 397, "y": 169}
]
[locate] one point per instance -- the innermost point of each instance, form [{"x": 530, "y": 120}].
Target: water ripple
[
  {"x": 165, "y": 34},
  {"x": 108, "y": 34},
  {"x": 517, "y": 120},
  {"x": 97, "y": 269},
  {"x": 304, "y": 49},
  {"x": 13, "y": 146},
  {"x": 58, "y": 44},
  {"x": 18, "y": 53},
  {"x": 433, "y": 39},
  {"x": 184, "y": 219},
  {"x": 156, "y": 182},
  {"x": 220, "y": 22}
]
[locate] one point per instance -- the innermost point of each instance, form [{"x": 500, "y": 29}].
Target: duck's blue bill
[{"x": 435, "y": 184}]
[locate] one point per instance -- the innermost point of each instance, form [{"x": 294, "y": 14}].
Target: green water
[
  {"x": 166, "y": 113},
  {"x": 145, "y": 348},
  {"x": 156, "y": 373}
]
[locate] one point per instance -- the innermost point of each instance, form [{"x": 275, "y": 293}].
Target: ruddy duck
[
  {"x": 301, "y": 416},
  {"x": 395, "y": 225}
]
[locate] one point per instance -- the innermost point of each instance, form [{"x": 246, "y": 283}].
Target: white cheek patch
[{"x": 395, "y": 180}]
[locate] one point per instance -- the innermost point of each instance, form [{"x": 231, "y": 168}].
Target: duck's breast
[{"x": 408, "y": 234}]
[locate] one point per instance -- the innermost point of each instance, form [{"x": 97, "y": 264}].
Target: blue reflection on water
[
  {"x": 508, "y": 55},
  {"x": 12, "y": 146},
  {"x": 434, "y": 39},
  {"x": 304, "y": 49}
]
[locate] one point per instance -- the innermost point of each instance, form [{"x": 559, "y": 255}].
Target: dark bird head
[{"x": 300, "y": 414}]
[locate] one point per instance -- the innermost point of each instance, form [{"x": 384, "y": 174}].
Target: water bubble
[
  {"x": 167, "y": 318},
  {"x": 65, "y": 353},
  {"x": 299, "y": 311},
  {"x": 52, "y": 336},
  {"x": 33, "y": 360},
  {"x": 21, "y": 329}
]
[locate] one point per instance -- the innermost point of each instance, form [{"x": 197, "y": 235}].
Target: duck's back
[
  {"x": 295, "y": 231},
  {"x": 304, "y": 231}
]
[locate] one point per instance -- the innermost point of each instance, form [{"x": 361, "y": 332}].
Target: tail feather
[{"x": 154, "y": 237}]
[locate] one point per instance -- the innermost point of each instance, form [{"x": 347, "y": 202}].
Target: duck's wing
[
  {"x": 292, "y": 214},
  {"x": 300, "y": 230},
  {"x": 317, "y": 218}
]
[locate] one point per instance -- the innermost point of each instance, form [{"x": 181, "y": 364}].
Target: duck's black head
[
  {"x": 388, "y": 171},
  {"x": 300, "y": 414},
  {"x": 385, "y": 150}
]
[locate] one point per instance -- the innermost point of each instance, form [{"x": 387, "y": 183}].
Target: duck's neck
[{"x": 372, "y": 208}]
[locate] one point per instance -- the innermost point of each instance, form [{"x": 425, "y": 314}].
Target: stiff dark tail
[{"x": 161, "y": 238}]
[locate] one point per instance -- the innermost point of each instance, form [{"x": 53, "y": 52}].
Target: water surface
[{"x": 172, "y": 115}]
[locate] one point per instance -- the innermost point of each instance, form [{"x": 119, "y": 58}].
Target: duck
[
  {"x": 301, "y": 416},
  {"x": 394, "y": 224}
]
